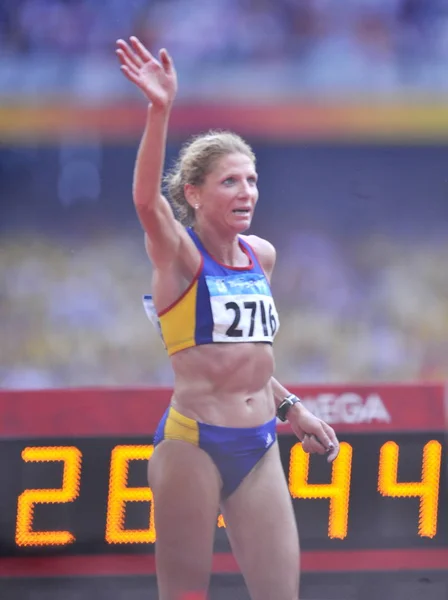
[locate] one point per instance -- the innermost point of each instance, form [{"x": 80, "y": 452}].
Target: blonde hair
[{"x": 196, "y": 160}]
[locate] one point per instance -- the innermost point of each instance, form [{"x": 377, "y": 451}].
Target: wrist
[
  {"x": 159, "y": 108},
  {"x": 298, "y": 409},
  {"x": 288, "y": 403}
]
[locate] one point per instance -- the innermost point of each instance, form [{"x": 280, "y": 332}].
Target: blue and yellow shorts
[{"x": 234, "y": 450}]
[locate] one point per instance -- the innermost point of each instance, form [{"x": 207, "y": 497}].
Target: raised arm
[{"x": 157, "y": 79}]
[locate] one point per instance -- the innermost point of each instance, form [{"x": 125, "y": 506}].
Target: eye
[
  {"x": 229, "y": 181},
  {"x": 252, "y": 180}
]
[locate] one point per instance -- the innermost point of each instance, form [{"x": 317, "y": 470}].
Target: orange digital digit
[
  {"x": 71, "y": 457},
  {"x": 338, "y": 491},
  {"x": 120, "y": 495},
  {"x": 427, "y": 489}
]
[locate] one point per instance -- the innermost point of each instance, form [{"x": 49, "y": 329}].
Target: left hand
[
  {"x": 156, "y": 78},
  {"x": 316, "y": 435}
]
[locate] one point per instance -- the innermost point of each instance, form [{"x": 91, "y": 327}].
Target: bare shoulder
[{"x": 264, "y": 250}]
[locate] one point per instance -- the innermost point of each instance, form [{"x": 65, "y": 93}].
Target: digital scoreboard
[{"x": 73, "y": 472}]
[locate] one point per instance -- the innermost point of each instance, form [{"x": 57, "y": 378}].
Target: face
[{"x": 228, "y": 196}]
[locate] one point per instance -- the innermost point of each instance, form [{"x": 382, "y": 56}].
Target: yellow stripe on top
[
  {"x": 178, "y": 322},
  {"x": 179, "y": 427}
]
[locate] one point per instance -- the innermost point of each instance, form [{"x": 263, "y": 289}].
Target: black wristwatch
[{"x": 285, "y": 405}]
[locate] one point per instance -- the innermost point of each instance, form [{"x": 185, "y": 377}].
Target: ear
[{"x": 191, "y": 195}]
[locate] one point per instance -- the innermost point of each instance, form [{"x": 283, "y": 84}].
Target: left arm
[{"x": 315, "y": 434}]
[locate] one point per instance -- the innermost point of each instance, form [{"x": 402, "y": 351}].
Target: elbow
[
  {"x": 143, "y": 201},
  {"x": 147, "y": 211},
  {"x": 143, "y": 208}
]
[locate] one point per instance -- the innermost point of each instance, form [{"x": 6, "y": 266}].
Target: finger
[
  {"x": 131, "y": 55},
  {"x": 333, "y": 454},
  {"x": 331, "y": 434},
  {"x": 323, "y": 438},
  {"x": 312, "y": 445},
  {"x": 299, "y": 433},
  {"x": 140, "y": 49},
  {"x": 125, "y": 62},
  {"x": 321, "y": 433},
  {"x": 306, "y": 445},
  {"x": 130, "y": 75},
  {"x": 317, "y": 445},
  {"x": 166, "y": 60}
]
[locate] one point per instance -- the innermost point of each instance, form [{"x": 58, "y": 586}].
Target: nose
[{"x": 245, "y": 190}]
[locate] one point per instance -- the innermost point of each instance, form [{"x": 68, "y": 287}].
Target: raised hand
[{"x": 156, "y": 78}]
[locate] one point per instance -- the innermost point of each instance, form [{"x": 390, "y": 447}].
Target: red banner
[{"x": 79, "y": 412}]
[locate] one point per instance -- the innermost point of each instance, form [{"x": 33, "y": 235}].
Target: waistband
[{"x": 181, "y": 419}]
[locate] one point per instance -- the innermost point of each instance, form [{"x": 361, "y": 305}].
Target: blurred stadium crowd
[
  {"x": 365, "y": 310},
  {"x": 382, "y": 44},
  {"x": 232, "y": 28},
  {"x": 353, "y": 308}
]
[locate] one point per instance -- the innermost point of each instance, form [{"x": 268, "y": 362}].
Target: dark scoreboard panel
[
  {"x": 90, "y": 495},
  {"x": 81, "y": 493}
]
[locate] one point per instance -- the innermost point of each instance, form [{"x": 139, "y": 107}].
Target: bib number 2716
[{"x": 253, "y": 315}]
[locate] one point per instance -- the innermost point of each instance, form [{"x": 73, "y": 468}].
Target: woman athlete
[{"x": 215, "y": 448}]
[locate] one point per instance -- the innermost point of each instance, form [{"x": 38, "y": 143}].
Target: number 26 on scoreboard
[{"x": 337, "y": 491}]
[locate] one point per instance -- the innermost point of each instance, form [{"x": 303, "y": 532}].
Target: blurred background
[{"x": 346, "y": 106}]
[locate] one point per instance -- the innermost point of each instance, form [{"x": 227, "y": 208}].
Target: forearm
[
  {"x": 150, "y": 159},
  {"x": 279, "y": 391}
]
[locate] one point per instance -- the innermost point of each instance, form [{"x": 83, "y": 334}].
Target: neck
[{"x": 224, "y": 247}]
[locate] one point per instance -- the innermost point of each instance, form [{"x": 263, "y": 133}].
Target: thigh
[
  {"x": 262, "y": 531},
  {"x": 186, "y": 488}
]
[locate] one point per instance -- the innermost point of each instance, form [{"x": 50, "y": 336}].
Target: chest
[{"x": 241, "y": 306}]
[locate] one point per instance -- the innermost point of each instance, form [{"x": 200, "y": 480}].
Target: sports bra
[{"x": 221, "y": 305}]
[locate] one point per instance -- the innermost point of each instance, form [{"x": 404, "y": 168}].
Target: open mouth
[{"x": 241, "y": 211}]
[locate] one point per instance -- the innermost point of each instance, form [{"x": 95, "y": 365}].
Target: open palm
[{"x": 156, "y": 78}]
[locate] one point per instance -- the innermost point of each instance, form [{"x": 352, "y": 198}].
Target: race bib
[{"x": 243, "y": 308}]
